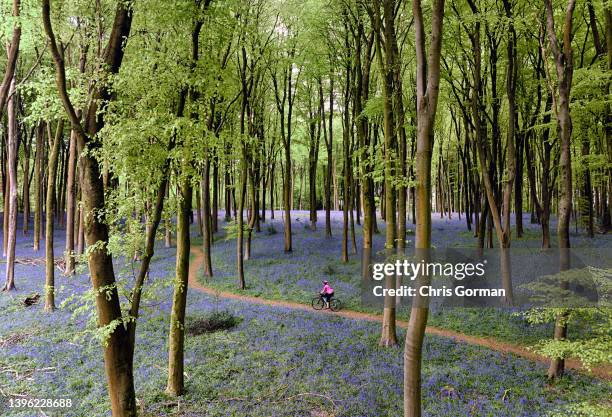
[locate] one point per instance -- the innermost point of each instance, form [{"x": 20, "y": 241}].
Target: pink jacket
[{"x": 327, "y": 289}]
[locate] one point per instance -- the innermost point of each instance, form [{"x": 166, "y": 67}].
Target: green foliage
[
  {"x": 231, "y": 230},
  {"x": 595, "y": 349},
  {"x": 212, "y": 322},
  {"x": 374, "y": 108}
]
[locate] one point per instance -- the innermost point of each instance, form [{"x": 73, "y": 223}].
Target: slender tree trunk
[
  {"x": 168, "y": 224},
  {"x": 253, "y": 215},
  {"x": 272, "y": 178},
  {"x": 388, "y": 332},
  {"x": 151, "y": 230},
  {"x": 11, "y": 194},
  {"x": 313, "y": 154},
  {"x": 287, "y": 200},
  {"x": 335, "y": 186},
  {"x": 206, "y": 224},
  {"x": 70, "y": 206},
  {"x": 564, "y": 66},
  {"x": 54, "y": 145},
  {"x": 428, "y": 80},
  {"x": 240, "y": 224},
  {"x": 587, "y": 193},
  {"x": 362, "y": 82},
  {"x": 518, "y": 187},
  {"x": 117, "y": 359},
  {"x": 198, "y": 199},
  {"x": 38, "y": 185},
  {"x": 215, "y": 191},
  {"x": 6, "y": 203},
  {"x": 264, "y": 189},
  {"x": 228, "y": 195},
  {"x": 27, "y": 148},
  {"x": 346, "y": 197},
  {"x": 176, "y": 338},
  {"x": 81, "y": 232},
  {"x": 61, "y": 190},
  {"x": 329, "y": 146},
  {"x": 547, "y": 190}
]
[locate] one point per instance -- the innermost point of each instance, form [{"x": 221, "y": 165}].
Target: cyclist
[{"x": 327, "y": 292}]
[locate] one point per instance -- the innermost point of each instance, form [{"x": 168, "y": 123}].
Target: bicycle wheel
[
  {"x": 335, "y": 304},
  {"x": 318, "y": 303}
]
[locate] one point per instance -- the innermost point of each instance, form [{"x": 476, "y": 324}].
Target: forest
[{"x": 179, "y": 178}]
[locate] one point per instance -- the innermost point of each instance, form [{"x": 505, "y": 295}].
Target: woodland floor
[
  {"x": 196, "y": 281},
  {"x": 274, "y": 275},
  {"x": 278, "y": 360}
]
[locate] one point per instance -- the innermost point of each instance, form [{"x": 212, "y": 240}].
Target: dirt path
[{"x": 604, "y": 372}]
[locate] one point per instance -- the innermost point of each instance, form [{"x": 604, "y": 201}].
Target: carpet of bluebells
[
  {"x": 273, "y": 274},
  {"x": 275, "y": 362}
]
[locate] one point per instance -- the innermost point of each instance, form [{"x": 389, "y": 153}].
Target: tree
[
  {"x": 285, "y": 92},
  {"x": 12, "y": 55},
  {"x": 11, "y": 195},
  {"x": 117, "y": 355},
  {"x": 176, "y": 339},
  {"x": 564, "y": 65},
  {"x": 54, "y": 145},
  {"x": 328, "y": 138},
  {"x": 383, "y": 43},
  {"x": 363, "y": 63},
  {"x": 71, "y": 185},
  {"x": 428, "y": 83},
  {"x": 38, "y": 174}
]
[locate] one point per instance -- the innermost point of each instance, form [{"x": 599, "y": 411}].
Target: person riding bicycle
[{"x": 327, "y": 292}]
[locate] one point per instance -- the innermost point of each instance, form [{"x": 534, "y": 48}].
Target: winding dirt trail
[{"x": 604, "y": 372}]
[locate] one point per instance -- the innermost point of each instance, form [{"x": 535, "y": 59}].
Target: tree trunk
[
  {"x": 272, "y": 178},
  {"x": 206, "y": 224},
  {"x": 6, "y": 203},
  {"x": 253, "y": 215},
  {"x": 27, "y": 148},
  {"x": 176, "y": 338},
  {"x": 117, "y": 359},
  {"x": 215, "y": 200},
  {"x": 564, "y": 66},
  {"x": 81, "y": 232},
  {"x": 70, "y": 206},
  {"x": 384, "y": 40},
  {"x": 228, "y": 195},
  {"x": 346, "y": 192},
  {"x": 11, "y": 194},
  {"x": 240, "y": 224},
  {"x": 151, "y": 232},
  {"x": 328, "y": 137},
  {"x": 313, "y": 155},
  {"x": 38, "y": 179},
  {"x": 198, "y": 199},
  {"x": 54, "y": 145},
  {"x": 362, "y": 82},
  {"x": 287, "y": 201},
  {"x": 12, "y": 55},
  {"x": 428, "y": 80},
  {"x": 518, "y": 187},
  {"x": 61, "y": 189},
  {"x": 587, "y": 193},
  {"x": 168, "y": 224}
]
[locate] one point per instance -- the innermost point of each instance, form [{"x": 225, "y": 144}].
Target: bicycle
[{"x": 319, "y": 304}]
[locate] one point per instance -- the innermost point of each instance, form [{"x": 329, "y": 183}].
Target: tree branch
[
  {"x": 60, "y": 71},
  {"x": 12, "y": 59}
]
